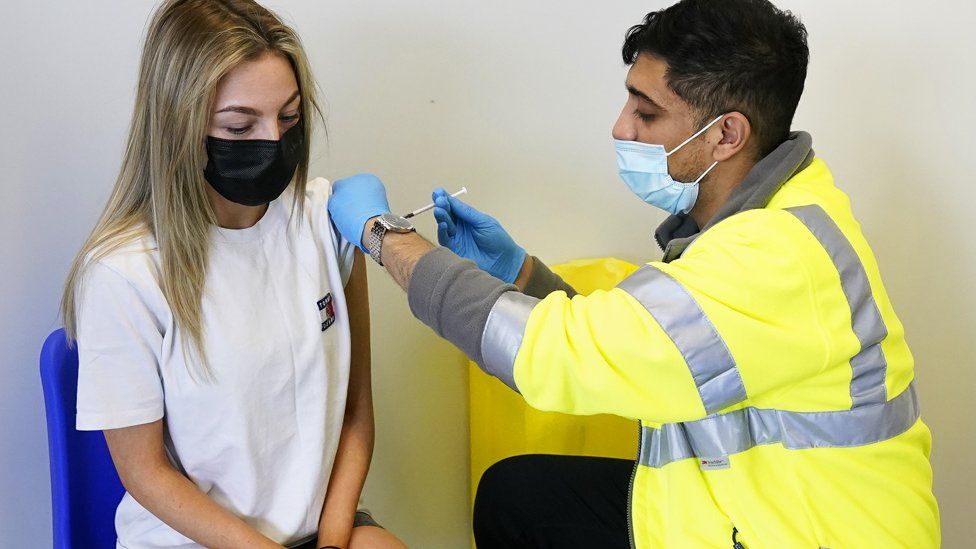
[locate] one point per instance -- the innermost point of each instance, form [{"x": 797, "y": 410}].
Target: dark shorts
[{"x": 362, "y": 518}]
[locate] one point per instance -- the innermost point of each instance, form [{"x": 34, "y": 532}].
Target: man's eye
[{"x": 643, "y": 116}]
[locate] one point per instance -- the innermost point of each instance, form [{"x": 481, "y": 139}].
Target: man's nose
[{"x": 625, "y": 128}]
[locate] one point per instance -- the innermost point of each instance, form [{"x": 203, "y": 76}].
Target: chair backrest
[{"x": 85, "y": 488}]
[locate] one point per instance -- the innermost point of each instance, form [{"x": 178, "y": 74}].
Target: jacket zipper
[{"x": 630, "y": 489}]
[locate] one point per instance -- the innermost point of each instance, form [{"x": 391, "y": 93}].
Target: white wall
[{"x": 515, "y": 100}]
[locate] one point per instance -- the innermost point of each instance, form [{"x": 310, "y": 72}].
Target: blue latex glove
[
  {"x": 354, "y": 201},
  {"x": 476, "y": 236}
]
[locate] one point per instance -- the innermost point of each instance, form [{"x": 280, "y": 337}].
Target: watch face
[{"x": 396, "y": 223}]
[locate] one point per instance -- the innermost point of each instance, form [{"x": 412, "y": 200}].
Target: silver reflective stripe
[
  {"x": 683, "y": 320},
  {"x": 869, "y": 364},
  {"x": 502, "y": 337},
  {"x": 740, "y": 430}
]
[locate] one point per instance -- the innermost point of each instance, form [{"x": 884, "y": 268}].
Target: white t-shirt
[{"x": 261, "y": 438}]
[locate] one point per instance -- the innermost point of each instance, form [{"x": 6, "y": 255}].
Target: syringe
[{"x": 431, "y": 205}]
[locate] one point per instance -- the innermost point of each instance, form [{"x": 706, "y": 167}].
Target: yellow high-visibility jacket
[{"x": 769, "y": 372}]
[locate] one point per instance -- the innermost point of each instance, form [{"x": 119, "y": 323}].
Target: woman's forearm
[
  {"x": 149, "y": 478},
  {"x": 178, "y": 502},
  {"x": 346, "y": 483}
]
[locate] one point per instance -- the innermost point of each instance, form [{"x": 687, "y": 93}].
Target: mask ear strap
[
  {"x": 690, "y": 139},
  {"x": 702, "y": 176}
]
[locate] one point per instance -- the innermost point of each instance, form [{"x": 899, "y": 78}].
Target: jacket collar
[{"x": 792, "y": 156}]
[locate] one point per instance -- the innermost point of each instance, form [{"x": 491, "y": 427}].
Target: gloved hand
[
  {"x": 476, "y": 236},
  {"x": 354, "y": 201}
]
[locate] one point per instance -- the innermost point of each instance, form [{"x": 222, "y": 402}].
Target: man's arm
[
  {"x": 400, "y": 253},
  {"x": 450, "y": 294},
  {"x": 538, "y": 281},
  {"x": 578, "y": 356}
]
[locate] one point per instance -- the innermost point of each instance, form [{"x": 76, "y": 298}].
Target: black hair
[{"x": 730, "y": 55}]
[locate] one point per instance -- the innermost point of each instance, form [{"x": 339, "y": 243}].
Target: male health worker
[{"x": 761, "y": 354}]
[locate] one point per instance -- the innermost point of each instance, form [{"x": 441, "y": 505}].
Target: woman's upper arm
[
  {"x": 135, "y": 451},
  {"x": 356, "y": 290},
  {"x": 357, "y": 302},
  {"x": 119, "y": 342}
]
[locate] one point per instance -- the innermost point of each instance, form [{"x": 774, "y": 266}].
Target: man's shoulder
[
  {"x": 758, "y": 222},
  {"x": 762, "y": 230}
]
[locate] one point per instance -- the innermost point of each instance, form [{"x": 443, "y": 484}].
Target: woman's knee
[{"x": 374, "y": 537}]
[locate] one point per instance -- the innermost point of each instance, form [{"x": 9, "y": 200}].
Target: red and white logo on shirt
[{"x": 326, "y": 311}]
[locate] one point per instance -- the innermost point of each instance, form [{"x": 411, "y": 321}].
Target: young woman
[{"x": 222, "y": 326}]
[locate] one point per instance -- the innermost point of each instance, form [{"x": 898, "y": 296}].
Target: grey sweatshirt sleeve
[
  {"x": 454, "y": 297},
  {"x": 543, "y": 281}
]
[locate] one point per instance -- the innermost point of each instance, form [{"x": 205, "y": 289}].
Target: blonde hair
[{"x": 160, "y": 189}]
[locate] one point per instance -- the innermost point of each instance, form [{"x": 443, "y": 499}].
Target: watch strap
[
  {"x": 375, "y": 242},
  {"x": 384, "y": 224}
]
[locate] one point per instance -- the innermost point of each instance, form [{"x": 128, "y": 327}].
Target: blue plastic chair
[{"x": 85, "y": 488}]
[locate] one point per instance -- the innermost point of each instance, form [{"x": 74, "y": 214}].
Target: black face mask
[{"x": 253, "y": 172}]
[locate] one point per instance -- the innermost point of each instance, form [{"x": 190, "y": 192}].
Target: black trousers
[{"x": 545, "y": 501}]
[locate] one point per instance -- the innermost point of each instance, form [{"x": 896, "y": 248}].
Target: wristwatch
[{"x": 385, "y": 223}]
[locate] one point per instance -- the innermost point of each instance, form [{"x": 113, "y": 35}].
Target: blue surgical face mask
[{"x": 644, "y": 168}]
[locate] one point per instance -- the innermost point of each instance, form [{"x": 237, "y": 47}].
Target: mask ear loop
[
  {"x": 702, "y": 176},
  {"x": 690, "y": 139}
]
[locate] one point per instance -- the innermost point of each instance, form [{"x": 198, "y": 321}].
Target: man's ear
[{"x": 736, "y": 132}]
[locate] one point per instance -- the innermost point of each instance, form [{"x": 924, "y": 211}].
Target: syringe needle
[{"x": 431, "y": 205}]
